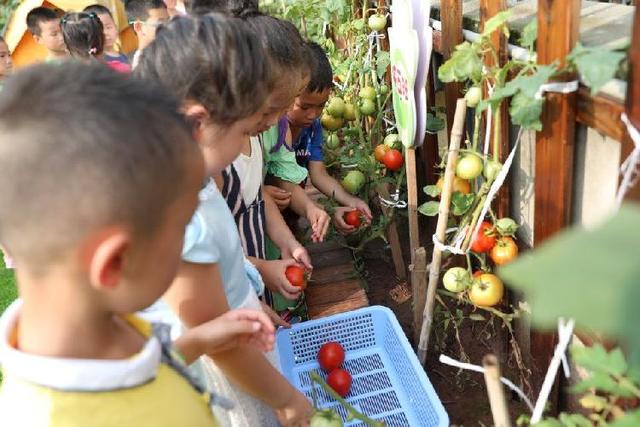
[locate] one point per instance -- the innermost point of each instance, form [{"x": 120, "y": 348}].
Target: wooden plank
[
  {"x": 557, "y": 35},
  {"x": 335, "y": 273},
  {"x": 326, "y": 246},
  {"x": 337, "y": 297},
  {"x": 330, "y": 258},
  {"x": 488, "y": 9},
  {"x": 451, "y": 15}
]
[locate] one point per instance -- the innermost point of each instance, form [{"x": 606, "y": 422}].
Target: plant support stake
[
  {"x": 499, "y": 408},
  {"x": 441, "y": 228}
]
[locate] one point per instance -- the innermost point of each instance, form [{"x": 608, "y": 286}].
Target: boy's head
[
  {"x": 99, "y": 176},
  {"x": 145, "y": 16},
  {"x": 83, "y": 34},
  {"x": 310, "y": 103},
  {"x": 6, "y": 65},
  {"x": 44, "y": 26},
  {"x": 108, "y": 24},
  {"x": 289, "y": 59},
  {"x": 218, "y": 68},
  {"x": 229, "y": 7}
]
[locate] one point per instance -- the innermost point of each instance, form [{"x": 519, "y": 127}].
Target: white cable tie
[
  {"x": 558, "y": 87},
  {"x": 454, "y": 248},
  {"x": 471, "y": 367},
  {"x": 395, "y": 201},
  {"x": 629, "y": 169}
]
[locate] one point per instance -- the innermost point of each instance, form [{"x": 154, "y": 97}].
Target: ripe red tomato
[
  {"x": 393, "y": 160},
  {"x": 380, "y": 151},
  {"x": 330, "y": 356},
  {"x": 485, "y": 240},
  {"x": 504, "y": 251},
  {"x": 353, "y": 218},
  {"x": 296, "y": 276},
  {"x": 340, "y": 381}
]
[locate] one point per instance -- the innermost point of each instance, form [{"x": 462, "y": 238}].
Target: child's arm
[
  {"x": 197, "y": 296},
  {"x": 274, "y": 276},
  {"x": 225, "y": 332}
]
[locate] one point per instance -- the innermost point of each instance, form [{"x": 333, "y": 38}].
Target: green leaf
[
  {"x": 599, "y": 381},
  {"x": 464, "y": 64},
  {"x": 525, "y": 111},
  {"x": 591, "y": 401},
  {"x": 495, "y": 22},
  {"x": 630, "y": 419},
  {"x": 358, "y": 24},
  {"x": 431, "y": 190},
  {"x": 590, "y": 275},
  {"x": 596, "y": 359},
  {"x": 383, "y": 60},
  {"x": 549, "y": 422},
  {"x": 434, "y": 123},
  {"x": 596, "y": 65},
  {"x": 461, "y": 203},
  {"x": 429, "y": 208},
  {"x": 575, "y": 420},
  {"x": 529, "y": 34},
  {"x": 530, "y": 83}
]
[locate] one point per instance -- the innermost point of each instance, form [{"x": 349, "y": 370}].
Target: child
[
  {"x": 229, "y": 7},
  {"x": 110, "y": 34},
  {"x": 306, "y": 133},
  {"x": 217, "y": 67},
  {"x": 44, "y": 25},
  {"x": 71, "y": 354},
  {"x": 83, "y": 35},
  {"x": 145, "y": 16},
  {"x": 6, "y": 64}
]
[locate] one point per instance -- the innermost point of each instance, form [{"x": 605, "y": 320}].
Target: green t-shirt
[{"x": 281, "y": 163}]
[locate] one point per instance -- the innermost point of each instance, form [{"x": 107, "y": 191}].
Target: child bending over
[{"x": 95, "y": 241}]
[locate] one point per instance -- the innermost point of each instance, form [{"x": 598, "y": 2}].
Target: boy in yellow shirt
[{"x": 99, "y": 175}]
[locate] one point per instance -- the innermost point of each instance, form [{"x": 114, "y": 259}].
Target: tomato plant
[
  {"x": 367, "y": 107},
  {"x": 297, "y": 276},
  {"x": 469, "y": 166},
  {"x": 353, "y": 181},
  {"x": 330, "y": 356},
  {"x": 504, "y": 251},
  {"x": 456, "y": 279},
  {"x": 336, "y": 107},
  {"x": 377, "y": 22},
  {"x": 473, "y": 96},
  {"x": 353, "y": 218},
  {"x": 459, "y": 185},
  {"x": 332, "y": 141},
  {"x": 485, "y": 239},
  {"x": 330, "y": 122},
  {"x": 487, "y": 290},
  {"x": 393, "y": 160},
  {"x": 340, "y": 381},
  {"x": 380, "y": 151}
]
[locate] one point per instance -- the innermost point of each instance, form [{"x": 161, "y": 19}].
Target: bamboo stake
[
  {"x": 412, "y": 201},
  {"x": 419, "y": 287},
  {"x": 499, "y": 408},
  {"x": 443, "y": 219}
]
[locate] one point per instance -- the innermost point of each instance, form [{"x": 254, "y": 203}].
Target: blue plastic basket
[{"x": 388, "y": 382}]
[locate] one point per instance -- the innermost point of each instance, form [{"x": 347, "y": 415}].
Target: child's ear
[
  {"x": 197, "y": 116},
  {"x": 38, "y": 39},
  {"x": 105, "y": 257},
  {"x": 137, "y": 27}
]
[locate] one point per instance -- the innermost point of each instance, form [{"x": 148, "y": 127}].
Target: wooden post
[
  {"x": 430, "y": 150},
  {"x": 412, "y": 201},
  {"x": 488, "y": 9},
  {"x": 443, "y": 219},
  {"x": 499, "y": 408},
  {"x": 558, "y": 24},
  {"x": 419, "y": 287},
  {"x": 393, "y": 238},
  {"x": 451, "y": 15}
]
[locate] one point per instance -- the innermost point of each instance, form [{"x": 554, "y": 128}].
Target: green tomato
[
  {"x": 506, "y": 226},
  {"x": 377, "y": 22},
  {"x": 326, "y": 418},
  {"x": 368, "y": 92},
  {"x": 456, "y": 279},
  {"x": 491, "y": 169},
  {"x": 353, "y": 181},
  {"x": 367, "y": 107},
  {"x": 473, "y": 96},
  {"x": 349, "y": 112},
  {"x": 332, "y": 141},
  {"x": 336, "y": 107},
  {"x": 469, "y": 166},
  {"x": 331, "y": 123},
  {"x": 383, "y": 89},
  {"x": 392, "y": 140}
]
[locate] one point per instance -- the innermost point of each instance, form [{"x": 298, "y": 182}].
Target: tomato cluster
[
  {"x": 496, "y": 241},
  {"x": 330, "y": 358}
]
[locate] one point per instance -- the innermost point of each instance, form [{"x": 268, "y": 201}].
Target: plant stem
[
  {"x": 352, "y": 413},
  {"x": 481, "y": 197},
  {"x": 476, "y": 132},
  {"x": 497, "y": 125}
]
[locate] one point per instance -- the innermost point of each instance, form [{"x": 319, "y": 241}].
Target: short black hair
[
  {"x": 214, "y": 60},
  {"x": 107, "y": 142},
  {"x": 138, "y": 10},
  {"x": 230, "y": 7},
  {"x": 83, "y": 34},
  {"x": 38, "y": 15},
  {"x": 98, "y": 9},
  {"x": 321, "y": 75}
]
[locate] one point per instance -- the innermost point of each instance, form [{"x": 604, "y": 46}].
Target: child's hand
[
  {"x": 226, "y": 332},
  {"x": 273, "y": 274},
  {"x": 296, "y": 412},
  {"x": 338, "y": 220},
  {"x": 362, "y": 207},
  {"x": 281, "y": 197},
  {"x": 275, "y": 319},
  {"x": 299, "y": 253},
  {"x": 319, "y": 221}
]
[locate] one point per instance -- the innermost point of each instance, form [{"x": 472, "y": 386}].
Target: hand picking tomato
[
  {"x": 353, "y": 218},
  {"x": 393, "y": 160},
  {"x": 330, "y": 356},
  {"x": 487, "y": 290},
  {"x": 325, "y": 418},
  {"x": 296, "y": 276},
  {"x": 459, "y": 184},
  {"x": 380, "y": 151},
  {"x": 340, "y": 381},
  {"x": 504, "y": 251},
  {"x": 485, "y": 239}
]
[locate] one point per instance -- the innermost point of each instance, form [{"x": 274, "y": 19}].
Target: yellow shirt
[{"x": 141, "y": 391}]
